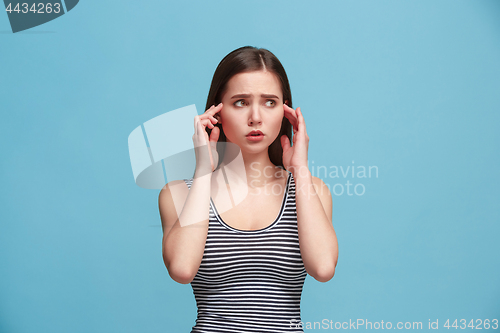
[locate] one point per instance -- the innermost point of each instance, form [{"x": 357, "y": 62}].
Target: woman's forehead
[{"x": 262, "y": 82}]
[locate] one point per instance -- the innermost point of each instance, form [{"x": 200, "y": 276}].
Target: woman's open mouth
[{"x": 255, "y": 135}]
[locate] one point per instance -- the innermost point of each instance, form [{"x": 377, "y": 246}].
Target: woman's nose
[{"x": 255, "y": 116}]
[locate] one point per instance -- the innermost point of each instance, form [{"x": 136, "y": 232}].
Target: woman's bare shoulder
[
  {"x": 174, "y": 183},
  {"x": 172, "y": 188},
  {"x": 171, "y": 200}
]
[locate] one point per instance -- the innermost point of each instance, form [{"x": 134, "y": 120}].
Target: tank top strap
[{"x": 189, "y": 182}]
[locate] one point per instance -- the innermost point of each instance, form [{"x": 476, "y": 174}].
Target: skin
[{"x": 253, "y": 100}]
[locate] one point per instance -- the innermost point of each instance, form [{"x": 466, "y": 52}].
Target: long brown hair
[{"x": 248, "y": 59}]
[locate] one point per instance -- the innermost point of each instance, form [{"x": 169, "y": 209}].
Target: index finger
[
  {"x": 301, "y": 121},
  {"x": 291, "y": 115},
  {"x": 214, "y": 109}
]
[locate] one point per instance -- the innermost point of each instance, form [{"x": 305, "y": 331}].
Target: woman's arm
[
  {"x": 317, "y": 238},
  {"x": 185, "y": 212},
  {"x": 184, "y": 215}
]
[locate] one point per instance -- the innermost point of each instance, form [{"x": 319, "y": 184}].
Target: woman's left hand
[{"x": 295, "y": 157}]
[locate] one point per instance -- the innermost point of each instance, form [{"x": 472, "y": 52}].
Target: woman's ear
[{"x": 286, "y": 102}]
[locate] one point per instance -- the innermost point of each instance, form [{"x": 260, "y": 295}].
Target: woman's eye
[
  {"x": 239, "y": 103},
  {"x": 270, "y": 103}
]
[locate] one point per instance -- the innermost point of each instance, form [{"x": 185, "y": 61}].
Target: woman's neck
[{"x": 256, "y": 168}]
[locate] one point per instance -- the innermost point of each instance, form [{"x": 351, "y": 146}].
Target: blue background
[{"x": 411, "y": 87}]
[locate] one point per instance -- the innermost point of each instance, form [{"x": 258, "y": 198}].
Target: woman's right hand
[{"x": 207, "y": 157}]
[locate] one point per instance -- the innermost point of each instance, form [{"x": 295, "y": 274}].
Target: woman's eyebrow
[
  {"x": 269, "y": 96},
  {"x": 249, "y": 95}
]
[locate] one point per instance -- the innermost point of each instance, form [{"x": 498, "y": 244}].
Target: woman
[{"x": 247, "y": 248}]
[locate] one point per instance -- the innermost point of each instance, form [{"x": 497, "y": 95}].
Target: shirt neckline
[{"x": 283, "y": 203}]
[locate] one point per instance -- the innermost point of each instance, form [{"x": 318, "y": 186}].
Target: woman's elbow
[
  {"x": 325, "y": 273},
  {"x": 181, "y": 276},
  {"x": 178, "y": 273},
  {"x": 325, "y": 276}
]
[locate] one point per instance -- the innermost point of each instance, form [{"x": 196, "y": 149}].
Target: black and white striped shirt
[{"x": 251, "y": 280}]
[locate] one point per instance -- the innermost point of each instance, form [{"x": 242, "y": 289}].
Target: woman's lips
[{"x": 251, "y": 137}]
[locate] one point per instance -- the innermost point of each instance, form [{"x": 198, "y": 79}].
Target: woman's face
[{"x": 252, "y": 101}]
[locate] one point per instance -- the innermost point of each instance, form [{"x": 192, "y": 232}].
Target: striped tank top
[{"x": 251, "y": 280}]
